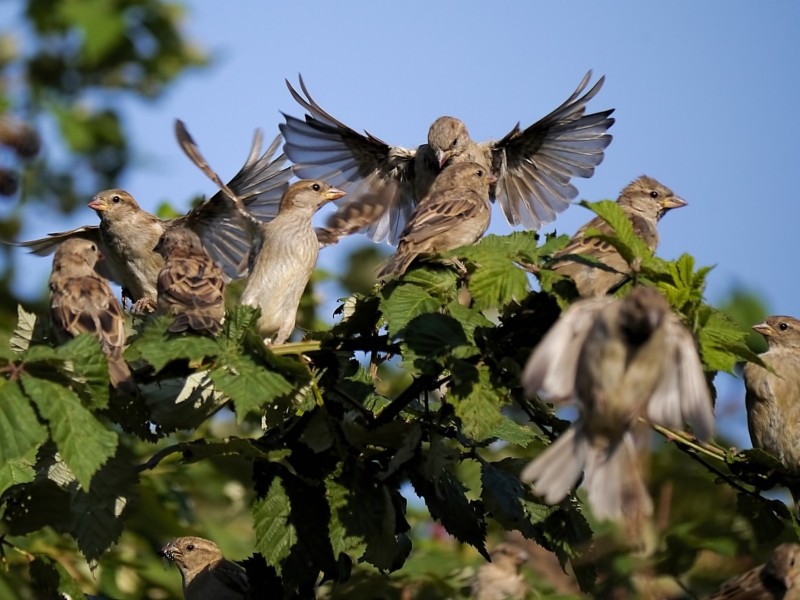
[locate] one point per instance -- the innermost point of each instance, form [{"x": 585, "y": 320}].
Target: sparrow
[
  {"x": 127, "y": 234},
  {"x": 206, "y": 574},
  {"x": 773, "y": 411},
  {"x": 82, "y": 302},
  {"x": 533, "y": 166},
  {"x": 283, "y": 263},
  {"x": 500, "y": 579},
  {"x": 644, "y": 201},
  {"x": 618, "y": 360},
  {"x": 191, "y": 287},
  {"x": 775, "y": 579},
  {"x": 456, "y": 213}
]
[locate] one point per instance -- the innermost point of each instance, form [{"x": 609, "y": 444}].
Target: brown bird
[
  {"x": 206, "y": 574},
  {"x": 618, "y": 360},
  {"x": 645, "y": 201},
  {"x": 500, "y": 579},
  {"x": 191, "y": 287},
  {"x": 533, "y": 167},
  {"x": 456, "y": 213},
  {"x": 286, "y": 258},
  {"x": 776, "y": 579},
  {"x": 773, "y": 410},
  {"x": 82, "y": 302},
  {"x": 127, "y": 234}
]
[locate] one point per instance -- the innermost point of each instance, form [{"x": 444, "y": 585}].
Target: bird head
[
  {"x": 309, "y": 194},
  {"x": 650, "y": 197},
  {"x": 190, "y": 553},
  {"x": 447, "y": 137},
  {"x": 780, "y": 331},
  {"x": 112, "y": 201}
]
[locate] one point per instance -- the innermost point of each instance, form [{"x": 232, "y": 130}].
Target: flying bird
[{"x": 533, "y": 166}]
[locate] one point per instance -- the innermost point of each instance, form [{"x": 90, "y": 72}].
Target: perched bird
[
  {"x": 500, "y": 579},
  {"x": 533, "y": 167},
  {"x": 283, "y": 264},
  {"x": 645, "y": 201},
  {"x": 206, "y": 574},
  {"x": 773, "y": 410},
  {"x": 619, "y": 360},
  {"x": 82, "y": 302},
  {"x": 454, "y": 214},
  {"x": 776, "y": 579},
  {"x": 191, "y": 287},
  {"x": 127, "y": 234}
]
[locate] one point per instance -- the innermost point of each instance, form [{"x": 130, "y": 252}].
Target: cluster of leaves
[{"x": 416, "y": 388}]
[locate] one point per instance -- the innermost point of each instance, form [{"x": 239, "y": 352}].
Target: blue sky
[{"x": 705, "y": 96}]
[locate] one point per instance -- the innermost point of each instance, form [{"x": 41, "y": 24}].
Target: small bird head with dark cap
[{"x": 447, "y": 137}]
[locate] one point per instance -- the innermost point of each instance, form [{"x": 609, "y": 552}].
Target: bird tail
[
  {"x": 614, "y": 484},
  {"x": 121, "y": 377},
  {"x": 199, "y": 323},
  {"x": 397, "y": 265},
  {"x": 556, "y": 470}
]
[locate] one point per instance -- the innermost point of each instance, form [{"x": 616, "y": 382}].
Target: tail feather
[
  {"x": 556, "y": 471},
  {"x": 198, "y": 323},
  {"x": 121, "y": 377},
  {"x": 397, "y": 265}
]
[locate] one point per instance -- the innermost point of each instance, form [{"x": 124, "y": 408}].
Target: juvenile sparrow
[
  {"x": 533, "y": 167},
  {"x": 286, "y": 258},
  {"x": 645, "y": 201},
  {"x": 82, "y": 302},
  {"x": 773, "y": 410},
  {"x": 500, "y": 579},
  {"x": 454, "y": 214},
  {"x": 206, "y": 574},
  {"x": 776, "y": 579},
  {"x": 618, "y": 360},
  {"x": 191, "y": 287}
]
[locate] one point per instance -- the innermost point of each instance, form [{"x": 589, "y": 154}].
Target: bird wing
[
  {"x": 682, "y": 394},
  {"x": 553, "y": 365},
  {"x": 322, "y": 147},
  {"x": 440, "y": 211},
  {"x": 191, "y": 282},
  {"x": 534, "y": 166}
]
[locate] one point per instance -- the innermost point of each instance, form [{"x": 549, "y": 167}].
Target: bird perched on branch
[
  {"x": 645, "y": 201},
  {"x": 533, "y": 166},
  {"x": 776, "y": 579},
  {"x": 283, "y": 263},
  {"x": 191, "y": 287},
  {"x": 127, "y": 234},
  {"x": 82, "y": 302},
  {"x": 500, "y": 579},
  {"x": 206, "y": 573},
  {"x": 454, "y": 214},
  {"x": 618, "y": 360},
  {"x": 773, "y": 409}
]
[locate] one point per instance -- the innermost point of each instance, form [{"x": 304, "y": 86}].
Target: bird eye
[
  {"x": 479, "y": 172},
  {"x": 94, "y": 248},
  {"x": 315, "y": 187},
  {"x": 654, "y": 194},
  {"x": 190, "y": 547},
  {"x": 783, "y": 326},
  {"x": 455, "y": 143},
  {"x": 116, "y": 199}
]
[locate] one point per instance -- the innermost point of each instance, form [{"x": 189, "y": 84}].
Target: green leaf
[
  {"x": 52, "y": 580},
  {"x": 509, "y": 501},
  {"x": 625, "y": 240},
  {"x": 86, "y": 367},
  {"x": 238, "y": 322},
  {"x": 20, "y": 430},
  {"x": 275, "y": 535},
  {"x": 84, "y": 442},
  {"x": 17, "y": 471},
  {"x": 248, "y": 385},
  {"x": 477, "y": 404},
  {"x": 158, "y": 347},
  {"x": 26, "y": 331},
  {"x": 403, "y": 302}
]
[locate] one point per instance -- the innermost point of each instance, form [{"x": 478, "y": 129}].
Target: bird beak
[
  {"x": 98, "y": 204},
  {"x": 673, "y": 202},
  {"x": 764, "y": 329},
  {"x": 491, "y": 178},
  {"x": 442, "y": 156},
  {"x": 334, "y": 194}
]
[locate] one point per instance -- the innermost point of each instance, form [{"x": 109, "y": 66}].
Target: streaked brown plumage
[
  {"x": 82, "y": 302},
  {"x": 618, "y": 360},
  {"x": 191, "y": 287},
  {"x": 500, "y": 579},
  {"x": 286, "y": 258},
  {"x": 776, "y": 579},
  {"x": 773, "y": 399},
  {"x": 206, "y": 573},
  {"x": 533, "y": 167},
  {"x": 127, "y": 234},
  {"x": 456, "y": 213},
  {"x": 645, "y": 201}
]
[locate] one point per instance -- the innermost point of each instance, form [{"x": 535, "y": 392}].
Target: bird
[
  {"x": 501, "y": 579},
  {"x": 533, "y": 166},
  {"x": 771, "y": 398},
  {"x": 127, "y": 234},
  {"x": 82, "y": 302},
  {"x": 619, "y": 360},
  {"x": 645, "y": 201},
  {"x": 206, "y": 573},
  {"x": 190, "y": 286},
  {"x": 456, "y": 213},
  {"x": 285, "y": 259},
  {"x": 776, "y": 579}
]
